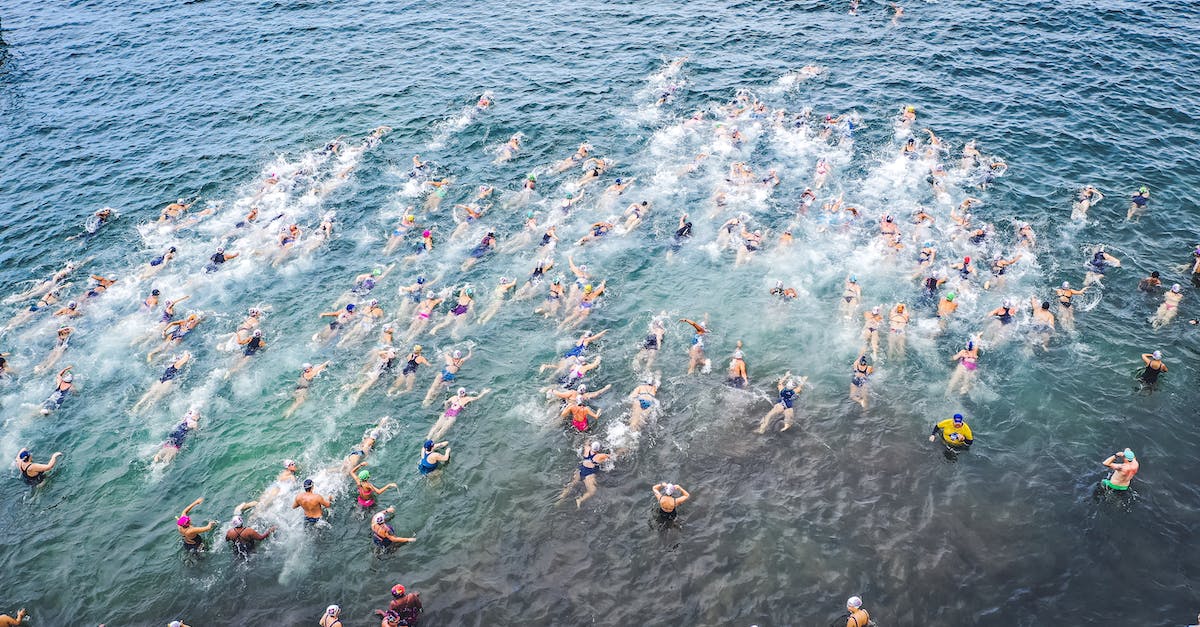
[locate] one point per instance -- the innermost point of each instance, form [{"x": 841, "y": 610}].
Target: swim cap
[
  {"x": 258, "y": 333},
  {"x": 72, "y": 305},
  {"x": 333, "y": 610},
  {"x": 569, "y": 195},
  {"x": 738, "y": 354},
  {"x": 410, "y": 218},
  {"x": 364, "y": 474},
  {"x": 306, "y": 366},
  {"x": 875, "y": 309},
  {"x": 950, "y": 297},
  {"x": 966, "y": 260},
  {"x": 288, "y": 463},
  {"x": 1157, "y": 355},
  {"x": 531, "y": 176},
  {"x": 457, "y": 354},
  {"x": 429, "y": 445},
  {"x": 888, "y": 218},
  {"x": 175, "y": 623},
  {"x": 380, "y": 518},
  {"x": 377, "y": 272},
  {"x": 349, "y": 306},
  {"x": 183, "y": 521},
  {"x": 1128, "y": 454},
  {"x": 154, "y": 292},
  {"x": 1144, "y": 190},
  {"x": 220, "y": 249},
  {"x": 470, "y": 291},
  {"x": 68, "y": 377},
  {"x": 1066, "y": 284},
  {"x": 237, "y": 522},
  {"x": 958, "y": 418},
  {"x": 588, "y": 287},
  {"x": 24, "y": 454},
  {"x": 308, "y": 484},
  {"x": 374, "y": 301},
  {"x": 420, "y": 280},
  {"x": 1175, "y": 288},
  {"x": 618, "y": 181},
  {"x": 426, "y": 233},
  {"x": 417, "y": 348},
  {"x": 853, "y": 279},
  {"x": 397, "y": 590},
  {"x": 854, "y": 602},
  {"x": 462, "y": 391}
]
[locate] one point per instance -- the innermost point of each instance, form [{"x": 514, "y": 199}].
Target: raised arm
[{"x": 188, "y": 509}]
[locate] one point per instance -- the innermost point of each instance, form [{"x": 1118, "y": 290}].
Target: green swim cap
[
  {"x": 950, "y": 296},
  {"x": 1128, "y": 454},
  {"x": 532, "y": 177},
  {"x": 364, "y": 474},
  {"x": 377, "y": 271}
]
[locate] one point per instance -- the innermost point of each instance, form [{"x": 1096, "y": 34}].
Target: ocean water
[{"x": 131, "y": 105}]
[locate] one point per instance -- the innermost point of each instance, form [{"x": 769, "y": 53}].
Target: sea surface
[{"x": 131, "y": 105}]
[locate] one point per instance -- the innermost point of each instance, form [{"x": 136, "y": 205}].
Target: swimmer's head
[
  {"x": 420, "y": 280},
  {"x": 958, "y": 419},
  {"x": 966, "y": 260},
  {"x": 410, "y": 218},
  {"x": 970, "y": 345},
  {"x": 853, "y": 603},
  {"x": 426, "y": 233},
  {"x": 899, "y": 307},
  {"x": 853, "y": 279},
  {"x": 349, "y": 306},
  {"x": 184, "y": 521},
  {"x": 778, "y": 283},
  {"x": 23, "y": 455},
  {"x": 333, "y": 610},
  {"x": 397, "y": 590},
  {"x": 220, "y": 249},
  {"x": 531, "y": 177},
  {"x": 588, "y": 288},
  {"x": 308, "y": 485},
  {"x": 289, "y": 464},
  {"x": 1046, "y": 304},
  {"x": 238, "y": 522},
  {"x": 1066, "y": 284},
  {"x": 377, "y": 272},
  {"x": 738, "y": 354},
  {"x": 374, "y": 301},
  {"x": 950, "y": 297},
  {"x": 457, "y": 354},
  {"x": 68, "y": 377},
  {"x": 1128, "y": 455},
  {"x": 1175, "y": 288},
  {"x": 379, "y": 518},
  {"x": 72, "y": 305},
  {"x": 1155, "y": 273},
  {"x": 888, "y": 218},
  {"x": 417, "y": 348},
  {"x": 570, "y": 195},
  {"x": 429, "y": 445},
  {"x": 154, "y": 292},
  {"x": 862, "y": 359},
  {"x": 1007, "y": 303},
  {"x": 875, "y": 309},
  {"x": 462, "y": 391},
  {"x": 1144, "y": 190},
  {"x": 364, "y": 474},
  {"x": 1157, "y": 355},
  {"x": 258, "y": 333}
]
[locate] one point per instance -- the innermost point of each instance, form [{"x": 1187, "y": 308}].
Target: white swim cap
[
  {"x": 462, "y": 391},
  {"x": 175, "y": 623},
  {"x": 457, "y": 354},
  {"x": 854, "y": 602},
  {"x": 333, "y": 610},
  {"x": 237, "y": 521},
  {"x": 1066, "y": 284},
  {"x": 306, "y": 366},
  {"x": 380, "y": 518}
]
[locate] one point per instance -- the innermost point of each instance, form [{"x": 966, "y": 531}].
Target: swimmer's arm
[
  {"x": 188, "y": 509},
  {"x": 655, "y": 489},
  {"x": 686, "y": 495},
  {"x": 385, "y": 488},
  {"x": 1110, "y": 462}
]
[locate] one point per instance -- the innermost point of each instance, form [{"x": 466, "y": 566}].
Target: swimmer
[
  {"x": 586, "y": 473},
  {"x": 1169, "y": 308},
  {"x": 696, "y": 356},
  {"x": 1148, "y": 377},
  {"x": 1065, "y": 295},
  {"x": 168, "y": 312},
  {"x": 859, "y": 373},
  {"x": 396, "y": 236},
  {"x": 593, "y": 168},
  {"x": 855, "y": 615},
  {"x": 312, "y": 504},
  {"x": 164, "y": 384},
  {"x": 751, "y": 242},
  {"x": 365, "y": 282},
  {"x": 454, "y": 361},
  {"x": 643, "y": 400},
  {"x": 650, "y": 345},
  {"x": 64, "y": 385},
  {"x": 158, "y": 263},
  {"x": 32, "y": 472},
  {"x": 473, "y": 213},
  {"x": 308, "y": 372},
  {"x": 1043, "y": 322},
  {"x": 252, "y": 343},
  {"x": 1000, "y": 265},
  {"x": 453, "y": 407},
  {"x": 581, "y": 154},
  {"x": 6, "y": 368},
  {"x": 414, "y": 293},
  {"x": 783, "y": 293},
  {"x": 738, "y": 377},
  {"x": 578, "y": 413},
  {"x": 851, "y": 294},
  {"x": 170, "y": 448},
  {"x": 618, "y": 187},
  {"x": 1088, "y": 197},
  {"x": 1124, "y": 466},
  {"x": 364, "y": 446},
  {"x": 45, "y": 303},
  {"x": 955, "y": 433},
  {"x": 1137, "y": 204},
  {"x": 218, "y": 259},
  {"x": 481, "y": 250},
  {"x": 586, "y": 303},
  {"x": 173, "y": 334},
  {"x": 1153, "y": 282},
  {"x": 341, "y": 318},
  {"x": 964, "y": 373},
  {"x": 1003, "y": 314},
  {"x": 570, "y": 200},
  {"x": 438, "y": 192},
  {"x": 555, "y": 296},
  {"x": 509, "y": 149},
  {"x": 505, "y": 284},
  {"x": 457, "y": 315},
  {"x": 872, "y": 322},
  {"x": 384, "y": 361},
  {"x": 1025, "y": 234},
  {"x": 898, "y": 331},
  {"x": 945, "y": 307},
  {"x": 634, "y": 214},
  {"x": 367, "y": 491},
  {"x": 9, "y": 621},
  {"x": 1098, "y": 265},
  {"x": 574, "y": 353},
  {"x": 595, "y": 232},
  {"x": 788, "y": 388},
  {"x": 405, "y": 609},
  {"x": 60, "y": 346},
  {"x": 431, "y": 459},
  {"x": 683, "y": 232},
  {"x": 288, "y": 238},
  {"x": 384, "y": 535},
  {"x": 174, "y": 210},
  {"x": 408, "y": 375},
  {"x": 54, "y": 281},
  {"x": 669, "y": 497},
  {"x": 191, "y": 535}
]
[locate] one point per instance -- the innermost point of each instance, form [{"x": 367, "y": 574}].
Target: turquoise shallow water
[{"x": 131, "y": 105}]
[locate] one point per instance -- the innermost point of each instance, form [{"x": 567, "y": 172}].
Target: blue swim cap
[
  {"x": 428, "y": 444},
  {"x": 420, "y": 280},
  {"x": 853, "y": 279},
  {"x": 958, "y": 418},
  {"x": 350, "y": 307},
  {"x": 1128, "y": 454}
]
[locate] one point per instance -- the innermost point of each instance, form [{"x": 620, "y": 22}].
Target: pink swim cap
[
  {"x": 426, "y": 233},
  {"x": 183, "y": 521}
]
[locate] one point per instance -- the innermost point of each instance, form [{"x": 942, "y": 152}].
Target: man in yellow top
[{"x": 955, "y": 432}]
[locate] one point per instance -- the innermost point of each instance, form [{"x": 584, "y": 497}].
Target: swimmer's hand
[{"x": 933, "y": 438}]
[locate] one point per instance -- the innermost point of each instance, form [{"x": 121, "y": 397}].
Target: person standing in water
[
  {"x": 669, "y": 497},
  {"x": 1043, "y": 322},
  {"x": 431, "y": 459},
  {"x": 191, "y": 535},
  {"x": 382, "y": 533},
  {"x": 311, "y": 503},
  {"x": 32, "y": 472},
  {"x": 954, "y": 433},
  {"x": 245, "y": 539},
  {"x": 855, "y": 615},
  {"x": 1154, "y": 367},
  {"x": 1124, "y": 466},
  {"x": 367, "y": 491}
]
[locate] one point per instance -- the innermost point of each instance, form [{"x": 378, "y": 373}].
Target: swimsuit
[
  {"x": 252, "y": 346},
  {"x": 1005, "y": 317},
  {"x": 586, "y": 471},
  {"x": 366, "y": 497},
  {"x": 787, "y": 398},
  {"x": 382, "y": 541},
  {"x": 411, "y": 366},
  {"x": 32, "y": 479},
  {"x": 176, "y": 437},
  {"x": 459, "y": 309},
  {"x": 651, "y": 342},
  {"x": 452, "y": 411},
  {"x": 425, "y": 466}
]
